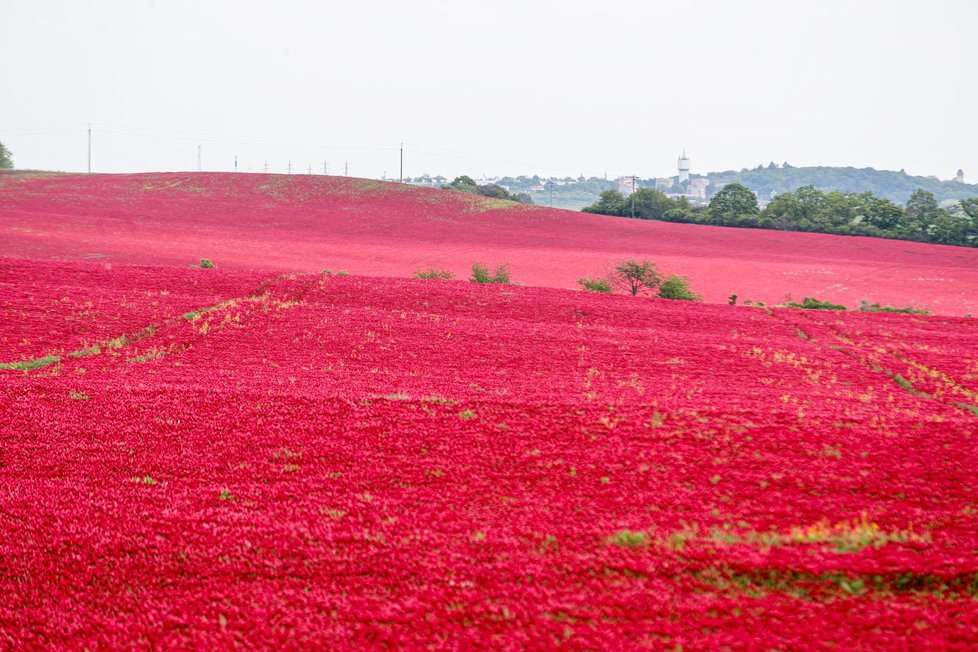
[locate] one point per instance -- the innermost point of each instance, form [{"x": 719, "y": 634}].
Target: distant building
[
  {"x": 683, "y": 167},
  {"x": 959, "y": 178},
  {"x": 697, "y": 187},
  {"x": 627, "y": 185},
  {"x": 664, "y": 182}
]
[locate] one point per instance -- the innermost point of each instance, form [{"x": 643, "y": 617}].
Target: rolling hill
[{"x": 308, "y": 223}]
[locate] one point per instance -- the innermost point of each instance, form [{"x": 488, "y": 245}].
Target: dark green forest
[{"x": 921, "y": 219}]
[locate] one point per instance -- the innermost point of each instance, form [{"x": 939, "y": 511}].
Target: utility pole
[
  {"x": 310, "y": 169},
  {"x": 198, "y": 158},
  {"x": 401, "y": 178},
  {"x": 290, "y": 167},
  {"x": 346, "y": 168},
  {"x": 235, "y": 162},
  {"x": 89, "y": 147},
  {"x": 325, "y": 167},
  {"x": 266, "y": 167}
]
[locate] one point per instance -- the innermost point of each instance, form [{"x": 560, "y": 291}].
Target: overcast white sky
[{"x": 502, "y": 87}]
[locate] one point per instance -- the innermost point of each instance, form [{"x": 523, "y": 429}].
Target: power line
[{"x": 161, "y": 134}]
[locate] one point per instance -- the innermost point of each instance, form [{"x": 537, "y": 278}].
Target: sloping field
[
  {"x": 200, "y": 458},
  {"x": 308, "y": 223}
]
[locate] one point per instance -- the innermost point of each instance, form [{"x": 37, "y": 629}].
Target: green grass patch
[
  {"x": 31, "y": 365},
  {"x": 84, "y": 353},
  {"x": 629, "y": 539},
  {"x": 970, "y": 408}
]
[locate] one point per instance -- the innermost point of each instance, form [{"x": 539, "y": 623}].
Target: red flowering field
[
  {"x": 199, "y": 459},
  {"x": 303, "y": 223}
]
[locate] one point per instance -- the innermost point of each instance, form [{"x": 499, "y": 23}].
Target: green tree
[
  {"x": 970, "y": 208},
  {"x": 6, "y": 158},
  {"x": 610, "y": 202},
  {"x": 493, "y": 190},
  {"x": 734, "y": 205},
  {"x": 463, "y": 184},
  {"x": 650, "y": 204},
  {"x": 879, "y": 212},
  {"x": 636, "y": 277},
  {"x": 837, "y": 213},
  {"x": 948, "y": 229},
  {"x": 920, "y": 215}
]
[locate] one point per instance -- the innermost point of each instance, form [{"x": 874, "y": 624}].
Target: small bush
[
  {"x": 431, "y": 272},
  {"x": 206, "y": 263},
  {"x": 594, "y": 284},
  {"x": 865, "y": 306},
  {"x": 811, "y": 303},
  {"x": 480, "y": 274},
  {"x": 677, "y": 288},
  {"x": 342, "y": 272},
  {"x": 732, "y": 300}
]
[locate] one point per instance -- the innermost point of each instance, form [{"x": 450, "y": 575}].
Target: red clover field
[{"x": 264, "y": 454}]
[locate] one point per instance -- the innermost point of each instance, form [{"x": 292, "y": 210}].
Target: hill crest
[{"x": 308, "y": 223}]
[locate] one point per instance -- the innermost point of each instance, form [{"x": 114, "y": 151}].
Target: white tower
[{"x": 683, "y": 167}]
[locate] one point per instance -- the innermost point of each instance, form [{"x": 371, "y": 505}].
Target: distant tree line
[
  {"x": 467, "y": 184},
  {"x": 772, "y": 179},
  {"x": 766, "y": 180},
  {"x": 809, "y": 209}
]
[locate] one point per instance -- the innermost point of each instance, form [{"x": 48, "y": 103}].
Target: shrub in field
[
  {"x": 594, "y": 284},
  {"x": 480, "y": 274},
  {"x": 431, "y": 272},
  {"x": 811, "y": 303},
  {"x": 677, "y": 287},
  {"x": 732, "y": 300},
  {"x": 206, "y": 263},
  {"x": 865, "y": 306},
  {"x": 636, "y": 277}
]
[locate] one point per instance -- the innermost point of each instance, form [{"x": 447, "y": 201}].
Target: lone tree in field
[
  {"x": 6, "y": 158},
  {"x": 636, "y": 277}
]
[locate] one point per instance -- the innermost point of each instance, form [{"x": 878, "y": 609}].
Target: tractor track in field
[{"x": 879, "y": 359}]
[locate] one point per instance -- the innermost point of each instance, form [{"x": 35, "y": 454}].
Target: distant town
[{"x": 766, "y": 180}]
